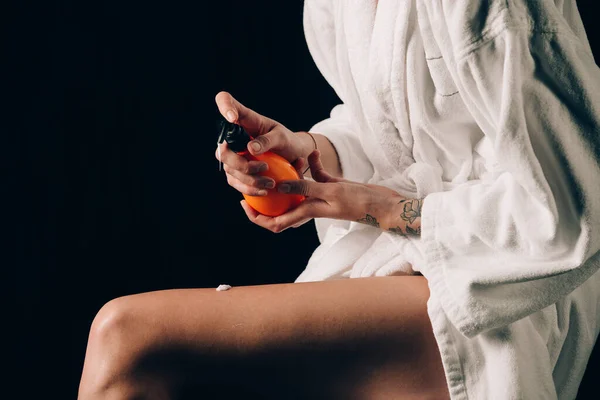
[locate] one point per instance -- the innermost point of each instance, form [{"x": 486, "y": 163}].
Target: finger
[
  {"x": 317, "y": 170},
  {"x": 258, "y": 218},
  {"x": 304, "y": 187},
  {"x": 240, "y": 163},
  {"x": 250, "y": 212},
  {"x": 300, "y": 165},
  {"x": 245, "y": 188},
  {"x": 274, "y": 139},
  {"x": 280, "y": 223},
  {"x": 255, "y": 181},
  {"x": 236, "y": 112}
]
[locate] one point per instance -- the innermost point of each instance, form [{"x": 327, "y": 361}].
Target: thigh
[{"x": 338, "y": 337}]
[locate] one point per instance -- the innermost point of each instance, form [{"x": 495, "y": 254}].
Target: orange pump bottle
[{"x": 274, "y": 203}]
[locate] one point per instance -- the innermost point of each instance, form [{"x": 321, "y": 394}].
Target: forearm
[
  {"x": 401, "y": 217},
  {"x": 329, "y": 156}
]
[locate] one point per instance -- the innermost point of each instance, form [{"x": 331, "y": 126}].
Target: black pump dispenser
[{"x": 236, "y": 137}]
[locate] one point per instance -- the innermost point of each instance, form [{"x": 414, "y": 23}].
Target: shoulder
[
  {"x": 319, "y": 24},
  {"x": 469, "y": 23},
  {"x": 319, "y": 14}
]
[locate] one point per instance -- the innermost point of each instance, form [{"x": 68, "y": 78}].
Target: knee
[
  {"x": 113, "y": 327},
  {"x": 112, "y": 350}
]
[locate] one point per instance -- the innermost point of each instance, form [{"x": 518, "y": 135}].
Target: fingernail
[
  {"x": 255, "y": 145},
  {"x": 263, "y": 168},
  {"x": 230, "y": 116},
  {"x": 283, "y": 188},
  {"x": 269, "y": 184},
  {"x": 262, "y": 192}
]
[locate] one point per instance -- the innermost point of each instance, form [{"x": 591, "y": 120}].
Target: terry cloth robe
[{"x": 490, "y": 111}]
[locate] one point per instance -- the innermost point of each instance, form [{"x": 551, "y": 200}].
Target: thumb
[
  {"x": 235, "y": 112},
  {"x": 300, "y": 165},
  {"x": 317, "y": 170},
  {"x": 303, "y": 187}
]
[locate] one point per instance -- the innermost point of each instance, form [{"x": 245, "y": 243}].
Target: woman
[{"x": 458, "y": 179}]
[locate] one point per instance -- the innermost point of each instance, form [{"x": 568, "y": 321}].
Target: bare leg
[{"x": 367, "y": 338}]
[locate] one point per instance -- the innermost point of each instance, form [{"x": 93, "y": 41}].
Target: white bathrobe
[{"x": 490, "y": 111}]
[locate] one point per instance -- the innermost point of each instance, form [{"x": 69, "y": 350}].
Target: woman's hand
[
  {"x": 329, "y": 197},
  {"x": 242, "y": 174}
]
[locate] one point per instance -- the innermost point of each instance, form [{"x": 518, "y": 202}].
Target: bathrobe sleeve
[
  {"x": 338, "y": 128},
  {"x": 320, "y": 33},
  {"x": 499, "y": 249}
]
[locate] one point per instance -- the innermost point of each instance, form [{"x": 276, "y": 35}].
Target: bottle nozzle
[{"x": 236, "y": 137}]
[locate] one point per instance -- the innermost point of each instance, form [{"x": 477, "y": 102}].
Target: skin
[
  {"x": 365, "y": 338},
  {"x": 338, "y": 198},
  {"x": 330, "y": 196},
  {"x": 351, "y": 339}
]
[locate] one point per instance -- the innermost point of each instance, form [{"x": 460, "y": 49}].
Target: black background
[{"x": 107, "y": 149}]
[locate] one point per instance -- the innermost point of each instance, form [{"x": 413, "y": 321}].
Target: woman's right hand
[{"x": 243, "y": 174}]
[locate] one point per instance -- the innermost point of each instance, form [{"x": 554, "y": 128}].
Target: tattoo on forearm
[
  {"x": 369, "y": 220},
  {"x": 411, "y": 210},
  {"x": 397, "y": 230},
  {"x": 412, "y": 231},
  {"x": 409, "y": 230}
]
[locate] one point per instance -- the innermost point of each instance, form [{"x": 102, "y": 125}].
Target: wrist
[{"x": 308, "y": 143}]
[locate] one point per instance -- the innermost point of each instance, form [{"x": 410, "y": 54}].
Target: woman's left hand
[{"x": 330, "y": 197}]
